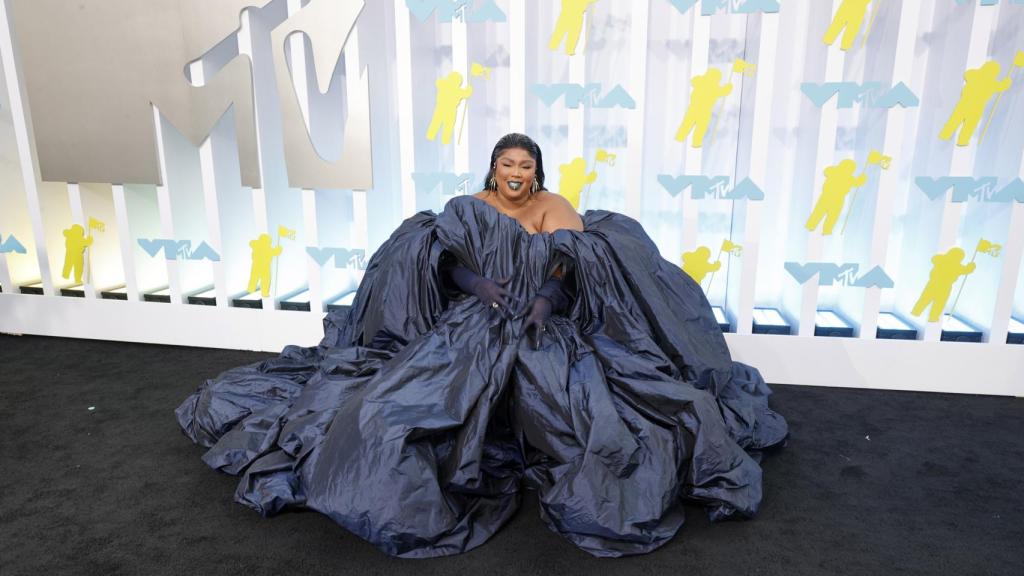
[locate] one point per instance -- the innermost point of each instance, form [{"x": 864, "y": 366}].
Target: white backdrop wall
[{"x": 613, "y": 106}]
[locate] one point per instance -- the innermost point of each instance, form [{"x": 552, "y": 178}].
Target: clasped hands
[{"x": 495, "y": 295}]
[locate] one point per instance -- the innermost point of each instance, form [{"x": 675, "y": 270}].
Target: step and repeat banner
[{"x": 822, "y": 168}]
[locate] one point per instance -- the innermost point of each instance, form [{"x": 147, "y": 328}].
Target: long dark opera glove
[
  {"x": 488, "y": 291},
  {"x": 550, "y": 298}
]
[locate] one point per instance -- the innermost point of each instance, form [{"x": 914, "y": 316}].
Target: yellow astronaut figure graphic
[
  {"x": 946, "y": 269},
  {"x": 574, "y": 178},
  {"x": 569, "y": 25},
  {"x": 75, "y": 243},
  {"x": 849, "y": 17},
  {"x": 980, "y": 84},
  {"x": 697, "y": 263},
  {"x": 450, "y": 94},
  {"x": 263, "y": 253},
  {"x": 839, "y": 180},
  {"x": 705, "y": 93}
]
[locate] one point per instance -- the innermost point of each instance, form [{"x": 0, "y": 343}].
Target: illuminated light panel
[
  {"x": 828, "y": 323},
  {"x": 204, "y": 297},
  {"x": 770, "y": 321},
  {"x": 158, "y": 295},
  {"x": 955, "y": 329},
  {"x": 208, "y": 293},
  {"x": 720, "y": 317},
  {"x": 248, "y": 300},
  {"x": 115, "y": 293},
  {"x": 341, "y": 301},
  {"x": 299, "y": 301},
  {"x": 1016, "y": 332},
  {"x": 301, "y": 296},
  {"x": 892, "y": 327}
]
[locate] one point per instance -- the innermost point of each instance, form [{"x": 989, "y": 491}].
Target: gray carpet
[{"x": 872, "y": 482}]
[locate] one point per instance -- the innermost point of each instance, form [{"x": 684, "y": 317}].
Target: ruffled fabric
[{"x": 423, "y": 414}]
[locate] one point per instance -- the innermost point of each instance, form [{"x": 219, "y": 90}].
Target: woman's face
[{"x": 514, "y": 171}]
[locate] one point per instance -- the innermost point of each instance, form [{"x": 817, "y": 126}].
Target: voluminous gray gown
[{"x": 422, "y": 414}]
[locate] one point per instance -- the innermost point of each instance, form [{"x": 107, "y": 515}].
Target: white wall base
[
  {"x": 969, "y": 368},
  {"x": 159, "y": 323},
  {"x": 996, "y": 369}
]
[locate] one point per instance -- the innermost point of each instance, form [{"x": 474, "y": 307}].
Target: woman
[{"x": 503, "y": 344}]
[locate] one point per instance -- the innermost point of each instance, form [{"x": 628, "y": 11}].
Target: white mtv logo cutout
[{"x": 92, "y": 73}]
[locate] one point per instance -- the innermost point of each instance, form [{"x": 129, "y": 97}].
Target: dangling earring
[
  {"x": 492, "y": 184},
  {"x": 535, "y": 187}
]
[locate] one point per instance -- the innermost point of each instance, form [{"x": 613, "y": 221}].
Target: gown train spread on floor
[{"x": 422, "y": 414}]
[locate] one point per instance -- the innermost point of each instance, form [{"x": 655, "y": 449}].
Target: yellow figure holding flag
[
  {"x": 946, "y": 269},
  {"x": 848, "y": 19},
  {"x": 703, "y": 97},
  {"x": 839, "y": 180},
  {"x": 698, "y": 263},
  {"x": 263, "y": 253},
  {"x": 569, "y": 25},
  {"x": 574, "y": 178},
  {"x": 980, "y": 84},
  {"x": 450, "y": 93},
  {"x": 75, "y": 243}
]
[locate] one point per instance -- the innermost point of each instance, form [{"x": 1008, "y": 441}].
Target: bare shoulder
[{"x": 559, "y": 213}]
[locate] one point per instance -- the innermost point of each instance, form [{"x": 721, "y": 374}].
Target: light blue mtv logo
[
  {"x": 589, "y": 95},
  {"x": 870, "y": 94},
  {"x": 989, "y": 2},
  {"x": 830, "y": 273},
  {"x": 709, "y": 7},
  {"x": 446, "y": 10},
  {"x": 599, "y": 136},
  {"x": 11, "y": 245},
  {"x": 343, "y": 257},
  {"x": 702, "y": 187},
  {"x": 450, "y": 182},
  {"x": 178, "y": 249},
  {"x": 964, "y": 187}
]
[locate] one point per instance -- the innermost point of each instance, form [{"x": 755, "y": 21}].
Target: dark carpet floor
[{"x": 96, "y": 478}]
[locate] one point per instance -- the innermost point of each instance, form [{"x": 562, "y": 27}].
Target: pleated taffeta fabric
[{"x": 422, "y": 414}]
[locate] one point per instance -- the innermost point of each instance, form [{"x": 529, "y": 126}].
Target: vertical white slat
[
  {"x": 638, "y": 88},
  {"x": 312, "y": 235},
  {"x": 760, "y": 142},
  {"x": 576, "y": 119},
  {"x": 27, "y": 160},
  {"x": 793, "y": 31},
  {"x": 309, "y": 223},
  {"x": 259, "y": 196},
  {"x": 360, "y": 233},
  {"x": 208, "y": 177},
  {"x": 78, "y": 217},
  {"x": 5, "y": 275},
  {"x": 163, "y": 200},
  {"x": 460, "y": 64},
  {"x": 700, "y": 38},
  {"x": 517, "y": 66},
  {"x": 1012, "y": 253},
  {"x": 982, "y": 27},
  {"x": 125, "y": 239},
  {"x": 824, "y": 155},
  {"x": 406, "y": 126},
  {"x": 889, "y": 180}
]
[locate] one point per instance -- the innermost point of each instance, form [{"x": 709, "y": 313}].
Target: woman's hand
[
  {"x": 491, "y": 293},
  {"x": 536, "y": 321}
]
